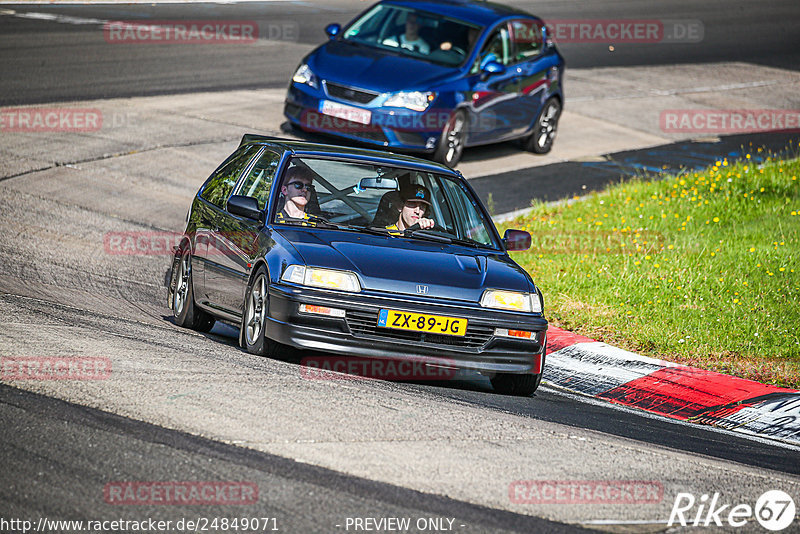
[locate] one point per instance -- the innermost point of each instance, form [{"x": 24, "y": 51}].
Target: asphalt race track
[{"x": 181, "y": 407}]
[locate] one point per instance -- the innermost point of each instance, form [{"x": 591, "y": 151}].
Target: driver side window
[
  {"x": 258, "y": 181},
  {"x": 497, "y": 48}
]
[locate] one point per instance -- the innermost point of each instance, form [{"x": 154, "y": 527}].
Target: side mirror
[
  {"x": 246, "y": 207},
  {"x": 493, "y": 67},
  {"x": 333, "y": 30},
  {"x": 546, "y": 40},
  {"x": 517, "y": 240}
]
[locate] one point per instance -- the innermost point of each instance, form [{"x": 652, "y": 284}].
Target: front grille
[
  {"x": 365, "y": 324},
  {"x": 349, "y": 94}
]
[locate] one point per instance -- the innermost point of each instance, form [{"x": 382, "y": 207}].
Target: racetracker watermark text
[
  {"x": 724, "y": 121},
  {"x": 348, "y": 368},
  {"x": 54, "y": 368},
  {"x": 180, "y": 493},
  {"x": 50, "y": 120},
  {"x": 198, "y": 32},
  {"x": 618, "y": 31},
  {"x": 585, "y": 492}
]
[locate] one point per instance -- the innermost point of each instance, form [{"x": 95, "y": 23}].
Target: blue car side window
[{"x": 495, "y": 49}]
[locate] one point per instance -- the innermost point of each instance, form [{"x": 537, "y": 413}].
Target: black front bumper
[{"x": 358, "y": 335}]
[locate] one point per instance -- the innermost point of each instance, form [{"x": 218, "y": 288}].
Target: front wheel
[
  {"x": 183, "y": 307},
  {"x": 519, "y": 385},
  {"x": 254, "y": 323},
  {"x": 541, "y": 139},
  {"x": 451, "y": 143},
  {"x": 513, "y": 384}
]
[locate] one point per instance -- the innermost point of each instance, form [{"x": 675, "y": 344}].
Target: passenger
[
  {"x": 416, "y": 201},
  {"x": 297, "y": 190},
  {"x": 410, "y": 39}
]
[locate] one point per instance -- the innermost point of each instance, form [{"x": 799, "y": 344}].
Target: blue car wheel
[
  {"x": 544, "y": 130},
  {"x": 451, "y": 143}
]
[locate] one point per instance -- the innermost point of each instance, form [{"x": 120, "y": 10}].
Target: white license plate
[{"x": 342, "y": 111}]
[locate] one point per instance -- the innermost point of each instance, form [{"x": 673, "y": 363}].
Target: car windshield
[
  {"x": 418, "y": 34},
  {"x": 360, "y": 197}
]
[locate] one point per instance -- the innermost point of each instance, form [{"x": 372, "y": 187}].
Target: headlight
[
  {"x": 414, "y": 100},
  {"x": 305, "y": 75},
  {"x": 324, "y": 278},
  {"x": 511, "y": 300}
]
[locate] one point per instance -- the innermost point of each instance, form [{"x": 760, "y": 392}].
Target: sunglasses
[{"x": 300, "y": 186}]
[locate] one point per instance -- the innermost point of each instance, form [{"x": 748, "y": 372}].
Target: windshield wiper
[
  {"x": 322, "y": 220},
  {"x": 316, "y": 219},
  {"x": 377, "y": 230},
  {"x": 424, "y": 234},
  {"x": 469, "y": 243}
]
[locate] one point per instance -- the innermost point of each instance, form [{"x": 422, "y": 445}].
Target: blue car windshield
[
  {"x": 325, "y": 194},
  {"x": 419, "y": 34}
]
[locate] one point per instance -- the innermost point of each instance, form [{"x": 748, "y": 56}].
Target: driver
[
  {"x": 410, "y": 39},
  {"x": 416, "y": 201},
  {"x": 297, "y": 189}
]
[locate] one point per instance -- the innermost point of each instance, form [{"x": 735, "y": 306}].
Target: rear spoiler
[{"x": 255, "y": 138}]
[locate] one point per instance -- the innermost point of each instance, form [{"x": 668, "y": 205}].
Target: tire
[
  {"x": 451, "y": 143},
  {"x": 256, "y": 307},
  {"x": 519, "y": 385},
  {"x": 515, "y": 384},
  {"x": 540, "y": 141},
  {"x": 186, "y": 313}
]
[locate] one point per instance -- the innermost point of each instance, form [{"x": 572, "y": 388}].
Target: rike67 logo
[{"x": 774, "y": 510}]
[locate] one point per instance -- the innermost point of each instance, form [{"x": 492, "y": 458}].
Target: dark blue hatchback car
[
  {"x": 432, "y": 76},
  {"x": 358, "y": 253}
]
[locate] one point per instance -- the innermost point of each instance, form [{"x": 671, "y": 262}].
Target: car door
[
  {"x": 493, "y": 97},
  {"x": 211, "y": 214},
  {"x": 236, "y": 239},
  {"x": 531, "y": 67}
]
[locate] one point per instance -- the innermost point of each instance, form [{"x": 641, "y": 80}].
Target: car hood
[
  {"x": 399, "y": 265},
  {"x": 374, "y": 69}
]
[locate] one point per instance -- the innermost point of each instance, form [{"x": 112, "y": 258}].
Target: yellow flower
[
  {"x": 752, "y": 249},
  {"x": 716, "y": 219}
]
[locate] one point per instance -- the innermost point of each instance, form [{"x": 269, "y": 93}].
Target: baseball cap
[{"x": 416, "y": 192}]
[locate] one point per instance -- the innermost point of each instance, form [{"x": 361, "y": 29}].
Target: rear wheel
[
  {"x": 254, "y": 322},
  {"x": 451, "y": 144},
  {"x": 541, "y": 139},
  {"x": 186, "y": 313}
]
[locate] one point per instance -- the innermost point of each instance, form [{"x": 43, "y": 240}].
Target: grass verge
[{"x": 700, "y": 268}]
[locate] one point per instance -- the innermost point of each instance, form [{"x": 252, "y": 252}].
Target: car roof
[
  {"x": 305, "y": 148},
  {"x": 474, "y": 11}
]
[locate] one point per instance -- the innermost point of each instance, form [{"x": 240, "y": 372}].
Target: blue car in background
[{"x": 432, "y": 76}]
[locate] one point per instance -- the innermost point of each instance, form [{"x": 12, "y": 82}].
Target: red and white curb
[{"x": 596, "y": 369}]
